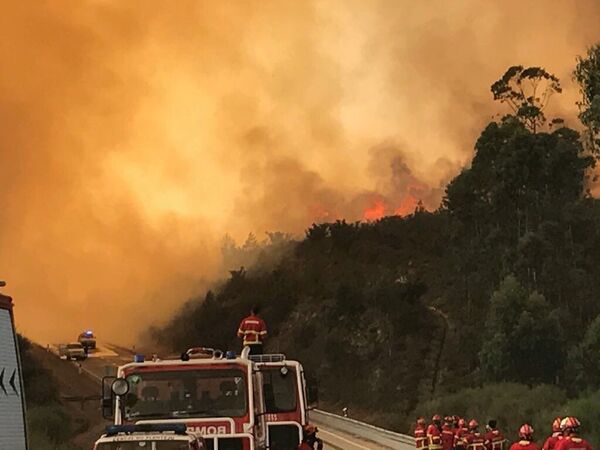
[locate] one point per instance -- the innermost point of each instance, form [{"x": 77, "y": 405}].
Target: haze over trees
[{"x": 493, "y": 298}]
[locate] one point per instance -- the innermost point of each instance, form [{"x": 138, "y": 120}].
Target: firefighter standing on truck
[
  {"x": 252, "y": 331},
  {"x": 434, "y": 433},
  {"x": 421, "y": 434}
]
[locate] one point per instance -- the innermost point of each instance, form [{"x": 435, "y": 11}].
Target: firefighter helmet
[
  {"x": 449, "y": 419},
  {"x": 473, "y": 424},
  {"x": 421, "y": 421},
  {"x": 570, "y": 424},
  {"x": 436, "y": 418},
  {"x": 556, "y": 425},
  {"x": 309, "y": 429},
  {"x": 526, "y": 431}
]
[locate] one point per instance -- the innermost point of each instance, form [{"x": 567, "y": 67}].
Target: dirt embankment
[{"x": 86, "y": 415}]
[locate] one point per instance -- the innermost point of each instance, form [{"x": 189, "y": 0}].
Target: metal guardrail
[{"x": 363, "y": 430}]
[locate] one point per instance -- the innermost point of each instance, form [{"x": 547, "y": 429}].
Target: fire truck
[
  {"x": 217, "y": 396},
  {"x": 287, "y": 398}
]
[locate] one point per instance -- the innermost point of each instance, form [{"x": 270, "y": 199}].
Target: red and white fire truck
[
  {"x": 219, "y": 397},
  {"x": 287, "y": 399}
]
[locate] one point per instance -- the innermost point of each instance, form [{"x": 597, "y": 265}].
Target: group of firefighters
[{"x": 455, "y": 433}]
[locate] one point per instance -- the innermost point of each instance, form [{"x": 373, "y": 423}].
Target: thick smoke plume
[{"x": 134, "y": 135}]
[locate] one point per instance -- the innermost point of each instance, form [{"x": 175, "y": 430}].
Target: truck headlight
[{"x": 120, "y": 387}]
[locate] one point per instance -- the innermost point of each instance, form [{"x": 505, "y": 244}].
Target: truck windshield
[
  {"x": 186, "y": 393},
  {"x": 280, "y": 390},
  {"x": 145, "y": 445},
  {"x": 74, "y": 346}
]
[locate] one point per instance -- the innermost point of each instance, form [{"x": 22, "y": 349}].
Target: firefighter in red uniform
[
  {"x": 474, "y": 440},
  {"x": 421, "y": 434},
  {"x": 572, "y": 440},
  {"x": 253, "y": 331},
  {"x": 494, "y": 438},
  {"x": 556, "y": 435},
  {"x": 310, "y": 441},
  {"x": 434, "y": 433},
  {"x": 460, "y": 433},
  {"x": 448, "y": 433},
  {"x": 526, "y": 439}
]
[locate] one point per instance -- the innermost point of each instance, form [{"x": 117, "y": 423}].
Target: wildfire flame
[{"x": 375, "y": 211}]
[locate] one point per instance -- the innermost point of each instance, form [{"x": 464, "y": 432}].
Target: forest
[{"x": 487, "y": 307}]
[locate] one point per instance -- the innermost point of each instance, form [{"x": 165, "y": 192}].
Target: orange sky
[{"x": 134, "y": 135}]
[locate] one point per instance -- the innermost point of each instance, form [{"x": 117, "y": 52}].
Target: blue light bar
[
  {"x": 138, "y": 358},
  {"x": 230, "y": 354},
  {"x": 177, "y": 428}
]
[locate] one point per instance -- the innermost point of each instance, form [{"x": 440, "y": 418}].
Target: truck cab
[
  {"x": 217, "y": 397},
  {"x": 149, "y": 437},
  {"x": 286, "y": 398}
]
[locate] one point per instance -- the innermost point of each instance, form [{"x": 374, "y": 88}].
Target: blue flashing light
[
  {"x": 138, "y": 358},
  {"x": 230, "y": 354},
  {"x": 89, "y": 333},
  {"x": 177, "y": 428}
]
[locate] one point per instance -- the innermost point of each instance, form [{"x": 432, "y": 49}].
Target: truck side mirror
[{"x": 108, "y": 398}]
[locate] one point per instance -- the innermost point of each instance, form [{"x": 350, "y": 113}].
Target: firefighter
[
  {"x": 434, "y": 433},
  {"x": 474, "y": 440},
  {"x": 448, "y": 433},
  {"x": 526, "y": 439},
  {"x": 252, "y": 331},
  {"x": 460, "y": 433},
  {"x": 494, "y": 438},
  {"x": 572, "y": 440},
  {"x": 310, "y": 441},
  {"x": 421, "y": 434},
  {"x": 556, "y": 435}
]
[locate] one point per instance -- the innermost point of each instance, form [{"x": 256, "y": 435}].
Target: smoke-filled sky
[{"x": 135, "y": 134}]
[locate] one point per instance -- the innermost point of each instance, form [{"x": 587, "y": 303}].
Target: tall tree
[
  {"x": 587, "y": 74},
  {"x": 527, "y": 92}
]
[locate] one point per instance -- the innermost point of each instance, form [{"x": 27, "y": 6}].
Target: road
[{"x": 108, "y": 357}]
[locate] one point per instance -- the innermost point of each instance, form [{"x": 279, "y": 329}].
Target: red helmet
[
  {"x": 570, "y": 424},
  {"x": 556, "y": 425},
  {"x": 309, "y": 429},
  {"x": 526, "y": 431},
  {"x": 473, "y": 424},
  {"x": 462, "y": 423},
  {"x": 421, "y": 421},
  {"x": 449, "y": 419},
  {"x": 436, "y": 418}
]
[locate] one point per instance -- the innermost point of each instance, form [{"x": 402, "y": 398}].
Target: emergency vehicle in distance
[
  {"x": 88, "y": 340},
  {"x": 219, "y": 397},
  {"x": 13, "y": 431},
  {"x": 287, "y": 399},
  {"x": 150, "y": 437}
]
